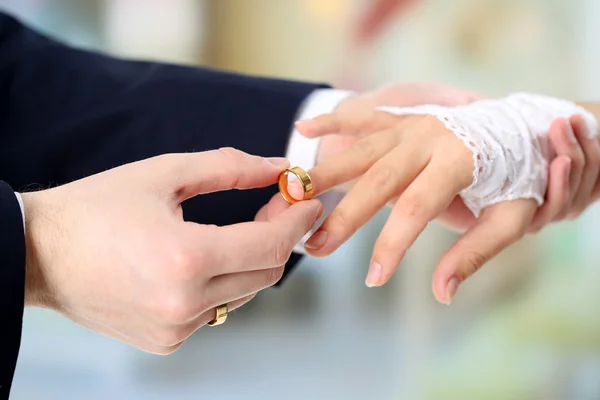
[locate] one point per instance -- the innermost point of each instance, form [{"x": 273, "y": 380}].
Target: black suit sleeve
[
  {"x": 12, "y": 284},
  {"x": 67, "y": 113}
]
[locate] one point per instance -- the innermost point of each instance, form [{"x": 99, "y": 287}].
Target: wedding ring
[
  {"x": 220, "y": 315},
  {"x": 304, "y": 179}
]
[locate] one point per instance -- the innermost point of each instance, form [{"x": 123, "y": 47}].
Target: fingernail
[
  {"x": 451, "y": 289},
  {"x": 317, "y": 240},
  {"x": 570, "y": 133},
  {"x": 278, "y": 161},
  {"x": 374, "y": 275}
]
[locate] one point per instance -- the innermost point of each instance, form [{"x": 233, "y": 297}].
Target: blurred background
[{"x": 526, "y": 327}]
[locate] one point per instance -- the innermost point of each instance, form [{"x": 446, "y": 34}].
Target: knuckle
[
  {"x": 235, "y": 160},
  {"x": 381, "y": 176},
  {"x": 341, "y": 219},
  {"x": 386, "y": 247},
  {"x": 168, "y": 339},
  {"x": 273, "y": 276},
  {"x": 172, "y": 309},
  {"x": 410, "y": 205},
  {"x": 184, "y": 265},
  {"x": 472, "y": 261},
  {"x": 515, "y": 231},
  {"x": 364, "y": 149},
  {"x": 366, "y": 121},
  {"x": 283, "y": 251},
  {"x": 431, "y": 125},
  {"x": 232, "y": 154}
]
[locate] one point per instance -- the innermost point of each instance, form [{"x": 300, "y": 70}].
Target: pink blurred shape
[{"x": 376, "y": 17}]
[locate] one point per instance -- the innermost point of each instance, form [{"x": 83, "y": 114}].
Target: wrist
[{"x": 37, "y": 293}]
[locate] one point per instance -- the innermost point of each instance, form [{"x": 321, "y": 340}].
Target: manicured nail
[
  {"x": 570, "y": 133},
  {"x": 451, "y": 289},
  {"x": 316, "y": 241},
  {"x": 278, "y": 161},
  {"x": 374, "y": 275}
]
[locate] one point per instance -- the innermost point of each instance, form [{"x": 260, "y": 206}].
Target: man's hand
[{"x": 113, "y": 253}]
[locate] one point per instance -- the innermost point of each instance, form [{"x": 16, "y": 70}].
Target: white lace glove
[{"x": 509, "y": 141}]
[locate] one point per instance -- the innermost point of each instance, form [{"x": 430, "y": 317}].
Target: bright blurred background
[{"x": 526, "y": 327}]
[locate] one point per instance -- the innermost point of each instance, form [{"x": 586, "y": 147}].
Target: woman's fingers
[
  {"x": 557, "y": 195},
  {"x": 499, "y": 226},
  {"x": 415, "y": 208},
  {"x": 562, "y": 137},
  {"x": 573, "y": 174},
  {"x": 457, "y": 216},
  {"x": 383, "y": 181},
  {"x": 591, "y": 151},
  {"x": 360, "y": 123},
  {"x": 353, "y": 162}
]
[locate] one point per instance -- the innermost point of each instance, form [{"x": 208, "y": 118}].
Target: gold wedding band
[
  {"x": 304, "y": 179},
  {"x": 220, "y": 315}
]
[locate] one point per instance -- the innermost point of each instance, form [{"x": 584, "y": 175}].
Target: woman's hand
[
  {"x": 573, "y": 175},
  {"x": 399, "y": 94},
  {"x": 113, "y": 253},
  {"x": 417, "y": 161},
  {"x": 573, "y": 179}
]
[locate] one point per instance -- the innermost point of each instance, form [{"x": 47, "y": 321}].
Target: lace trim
[{"x": 509, "y": 141}]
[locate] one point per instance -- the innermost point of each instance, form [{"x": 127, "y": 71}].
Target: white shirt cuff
[
  {"x": 302, "y": 152},
  {"x": 20, "y": 200}
]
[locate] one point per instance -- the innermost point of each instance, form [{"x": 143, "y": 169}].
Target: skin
[
  {"x": 397, "y": 160},
  {"x": 113, "y": 253}
]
